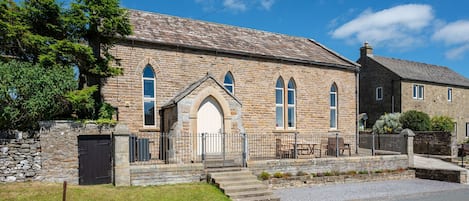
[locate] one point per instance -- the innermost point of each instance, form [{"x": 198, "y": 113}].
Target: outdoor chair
[
  {"x": 341, "y": 148},
  {"x": 282, "y": 150}
]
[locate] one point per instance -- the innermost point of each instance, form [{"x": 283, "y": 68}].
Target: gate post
[
  {"x": 121, "y": 158},
  {"x": 245, "y": 148},
  {"x": 203, "y": 147}
]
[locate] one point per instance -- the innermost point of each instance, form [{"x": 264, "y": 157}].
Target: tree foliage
[
  {"x": 415, "y": 120},
  {"x": 29, "y": 93},
  {"x": 388, "y": 123},
  {"x": 51, "y": 37},
  {"x": 442, "y": 123}
]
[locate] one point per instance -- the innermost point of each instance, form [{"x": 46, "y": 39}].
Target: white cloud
[
  {"x": 399, "y": 26},
  {"x": 455, "y": 34},
  {"x": 266, "y": 4},
  {"x": 235, "y": 5}
]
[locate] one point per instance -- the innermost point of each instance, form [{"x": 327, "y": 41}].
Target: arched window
[
  {"x": 333, "y": 106},
  {"x": 291, "y": 104},
  {"x": 279, "y": 96},
  {"x": 229, "y": 82},
  {"x": 149, "y": 112}
]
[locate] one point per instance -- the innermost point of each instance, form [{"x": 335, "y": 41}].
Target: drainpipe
[{"x": 357, "y": 124}]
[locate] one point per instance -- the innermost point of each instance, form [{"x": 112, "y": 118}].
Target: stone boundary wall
[
  {"x": 307, "y": 181},
  {"x": 456, "y": 176},
  {"x": 433, "y": 143},
  {"x": 59, "y": 143},
  {"x": 20, "y": 160},
  {"x": 144, "y": 175},
  {"x": 322, "y": 165}
]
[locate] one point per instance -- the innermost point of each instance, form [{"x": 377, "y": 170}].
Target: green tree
[
  {"x": 29, "y": 93},
  {"x": 46, "y": 33},
  {"x": 442, "y": 123},
  {"x": 415, "y": 120}
]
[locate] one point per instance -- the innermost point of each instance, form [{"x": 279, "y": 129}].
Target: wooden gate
[{"x": 94, "y": 153}]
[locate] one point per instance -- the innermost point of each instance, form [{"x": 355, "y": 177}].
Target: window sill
[
  {"x": 284, "y": 131},
  {"x": 149, "y": 130}
]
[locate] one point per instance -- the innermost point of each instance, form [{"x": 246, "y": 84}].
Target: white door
[{"x": 210, "y": 122}]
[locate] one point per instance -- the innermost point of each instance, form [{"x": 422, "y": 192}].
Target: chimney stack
[{"x": 366, "y": 50}]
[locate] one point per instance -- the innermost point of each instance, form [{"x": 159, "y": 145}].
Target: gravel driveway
[{"x": 365, "y": 191}]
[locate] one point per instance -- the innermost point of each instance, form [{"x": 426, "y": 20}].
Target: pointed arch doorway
[{"x": 210, "y": 122}]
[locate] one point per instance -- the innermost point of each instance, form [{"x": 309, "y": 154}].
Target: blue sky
[{"x": 434, "y": 32}]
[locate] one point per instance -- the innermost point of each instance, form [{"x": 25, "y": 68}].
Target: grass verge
[{"x": 51, "y": 191}]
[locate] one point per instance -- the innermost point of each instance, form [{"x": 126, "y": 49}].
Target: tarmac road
[{"x": 399, "y": 190}]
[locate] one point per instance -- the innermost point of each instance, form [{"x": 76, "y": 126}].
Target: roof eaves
[{"x": 357, "y": 65}]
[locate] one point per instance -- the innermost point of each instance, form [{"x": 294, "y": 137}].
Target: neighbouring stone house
[
  {"x": 188, "y": 76},
  {"x": 394, "y": 85}
]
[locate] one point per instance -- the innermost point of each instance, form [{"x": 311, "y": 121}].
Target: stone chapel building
[{"x": 190, "y": 76}]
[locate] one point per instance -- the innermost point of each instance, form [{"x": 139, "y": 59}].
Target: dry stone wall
[{"x": 20, "y": 160}]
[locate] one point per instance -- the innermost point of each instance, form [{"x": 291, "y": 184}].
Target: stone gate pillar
[{"x": 121, "y": 156}]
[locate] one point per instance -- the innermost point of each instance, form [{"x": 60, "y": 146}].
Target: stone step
[
  {"x": 247, "y": 194},
  {"x": 234, "y": 178},
  {"x": 229, "y": 173},
  {"x": 259, "y": 198},
  {"x": 243, "y": 188},
  {"x": 236, "y": 183},
  {"x": 225, "y": 169}
]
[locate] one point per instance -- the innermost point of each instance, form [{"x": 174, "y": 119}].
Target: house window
[
  {"x": 379, "y": 93},
  {"x": 450, "y": 94},
  {"x": 148, "y": 96},
  {"x": 333, "y": 106},
  {"x": 417, "y": 92},
  {"x": 229, "y": 82},
  {"x": 279, "y": 96},
  {"x": 291, "y": 104},
  {"x": 467, "y": 129}
]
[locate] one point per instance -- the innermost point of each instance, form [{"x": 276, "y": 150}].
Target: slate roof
[
  {"x": 182, "y": 32},
  {"x": 185, "y": 92},
  {"x": 411, "y": 70}
]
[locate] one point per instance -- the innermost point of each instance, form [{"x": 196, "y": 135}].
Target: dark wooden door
[{"x": 94, "y": 153}]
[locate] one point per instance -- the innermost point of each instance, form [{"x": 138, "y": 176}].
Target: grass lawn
[{"x": 48, "y": 191}]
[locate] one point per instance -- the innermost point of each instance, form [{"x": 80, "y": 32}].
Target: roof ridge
[{"x": 416, "y": 62}]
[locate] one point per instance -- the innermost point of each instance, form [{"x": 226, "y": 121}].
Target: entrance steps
[{"x": 241, "y": 184}]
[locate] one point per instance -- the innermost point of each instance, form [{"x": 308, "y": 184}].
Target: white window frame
[
  {"x": 333, "y": 107},
  {"x": 232, "y": 84},
  {"x": 418, "y": 92},
  {"x": 467, "y": 129},
  {"x": 149, "y": 99},
  {"x": 450, "y": 94},
  {"x": 280, "y": 105},
  {"x": 378, "y": 90},
  {"x": 291, "y": 105}
]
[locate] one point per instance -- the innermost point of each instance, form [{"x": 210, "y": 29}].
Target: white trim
[
  {"x": 281, "y": 105},
  {"x": 232, "y": 85},
  {"x": 379, "y": 89}
]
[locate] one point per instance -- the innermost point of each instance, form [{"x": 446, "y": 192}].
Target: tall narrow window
[
  {"x": 450, "y": 94},
  {"x": 229, "y": 82},
  {"x": 279, "y": 103},
  {"x": 379, "y": 93},
  {"x": 291, "y": 104},
  {"x": 333, "y": 106},
  {"x": 148, "y": 96},
  {"x": 417, "y": 92}
]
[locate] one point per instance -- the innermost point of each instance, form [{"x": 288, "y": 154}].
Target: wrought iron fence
[{"x": 233, "y": 149}]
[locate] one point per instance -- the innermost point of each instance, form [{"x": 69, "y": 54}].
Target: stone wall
[
  {"x": 59, "y": 143},
  {"x": 20, "y": 160},
  {"x": 166, "y": 174},
  {"x": 433, "y": 143},
  {"x": 456, "y": 176},
  {"x": 321, "y": 165}
]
